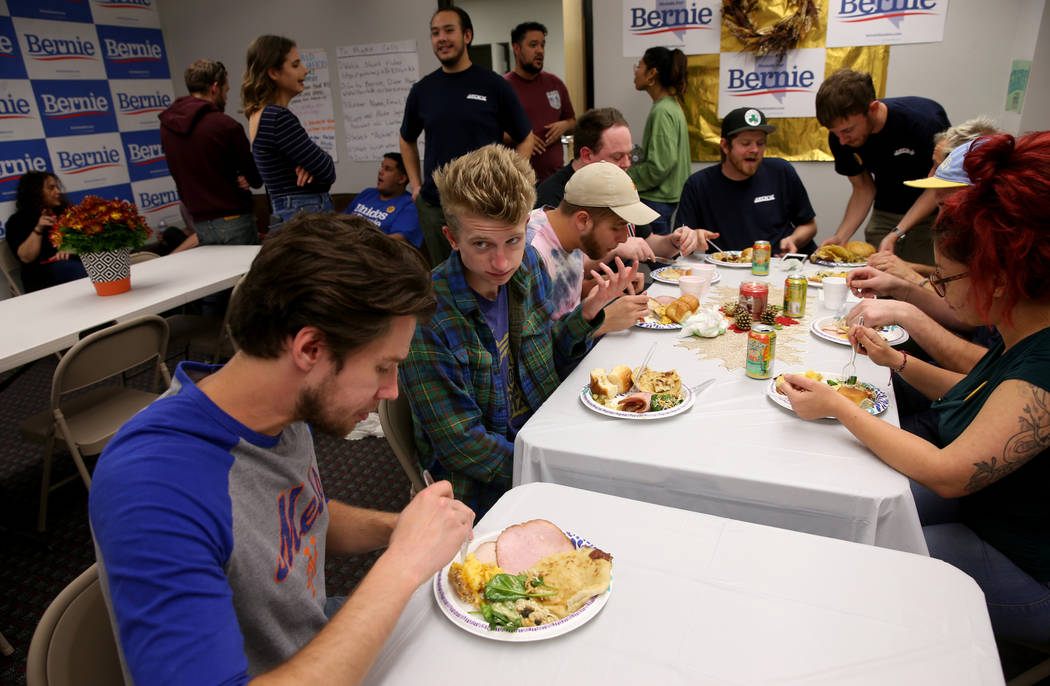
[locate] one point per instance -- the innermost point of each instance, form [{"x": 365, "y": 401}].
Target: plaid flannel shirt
[{"x": 453, "y": 380}]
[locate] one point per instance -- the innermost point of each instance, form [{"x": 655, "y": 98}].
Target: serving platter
[
  {"x": 688, "y": 398},
  {"x": 894, "y": 335},
  {"x": 879, "y": 403},
  {"x": 461, "y": 613},
  {"x": 657, "y": 275}
]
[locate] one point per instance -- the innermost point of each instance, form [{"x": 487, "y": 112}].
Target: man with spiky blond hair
[{"x": 492, "y": 353}]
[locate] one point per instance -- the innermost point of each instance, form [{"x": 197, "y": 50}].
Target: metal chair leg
[{"x": 45, "y": 484}]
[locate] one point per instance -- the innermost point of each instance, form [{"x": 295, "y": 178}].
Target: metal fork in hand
[{"x": 851, "y": 367}]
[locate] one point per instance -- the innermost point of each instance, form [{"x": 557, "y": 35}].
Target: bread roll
[
  {"x": 691, "y": 300},
  {"x": 601, "y": 385},
  {"x": 860, "y": 248},
  {"x": 857, "y": 395},
  {"x": 620, "y": 377},
  {"x": 681, "y": 309}
]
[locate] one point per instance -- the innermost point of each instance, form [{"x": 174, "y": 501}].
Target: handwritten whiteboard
[
  {"x": 314, "y": 105},
  {"x": 374, "y": 81}
]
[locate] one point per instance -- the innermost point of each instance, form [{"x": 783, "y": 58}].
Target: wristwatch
[{"x": 900, "y": 234}]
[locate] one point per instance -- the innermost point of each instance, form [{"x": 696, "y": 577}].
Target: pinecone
[
  {"x": 743, "y": 319},
  {"x": 769, "y": 315},
  {"x": 731, "y": 309}
]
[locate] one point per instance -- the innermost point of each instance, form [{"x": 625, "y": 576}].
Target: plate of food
[
  {"x": 853, "y": 254},
  {"x": 668, "y": 312},
  {"x": 672, "y": 273},
  {"x": 816, "y": 279},
  {"x": 836, "y": 330},
  {"x": 640, "y": 394},
  {"x": 868, "y": 397},
  {"x": 529, "y": 582},
  {"x": 737, "y": 259}
]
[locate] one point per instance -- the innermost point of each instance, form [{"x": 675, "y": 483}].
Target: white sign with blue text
[
  {"x": 885, "y": 22},
  {"x": 780, "y": 87},
  {"x": 693, "y": 26}
]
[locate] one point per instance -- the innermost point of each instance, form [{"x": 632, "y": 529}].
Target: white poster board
[
  {"x": 693, "y": 26},
  {"x": 780, "y": 88},
  {"x": 374, "y": 81},
  {"x": 870, "y": 22},
  {"x": 314, "y": 105}
]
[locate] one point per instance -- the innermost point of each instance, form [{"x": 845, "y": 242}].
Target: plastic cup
[
  {"x": 694, "y": 285},
  {"x": 835, "y": 292}
]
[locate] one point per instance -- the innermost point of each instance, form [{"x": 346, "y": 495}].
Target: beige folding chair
[
  {"x": 203, "y": 332},
  {"x": 89, "y": 419},
  {"x": 73, "y": 643},
  {"x": 396, "y": 418},
  {"x": 144, "y": 256},
  {"x": 11, "y": 267}
]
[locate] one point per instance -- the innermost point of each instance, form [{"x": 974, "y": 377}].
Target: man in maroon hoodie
[{"x": 210, "y": 159}]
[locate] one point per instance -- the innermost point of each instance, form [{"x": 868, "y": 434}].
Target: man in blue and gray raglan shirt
[{"x": 210, "y": 521}]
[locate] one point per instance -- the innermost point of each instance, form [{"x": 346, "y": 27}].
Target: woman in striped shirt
[{"x": 297, "y": 173}]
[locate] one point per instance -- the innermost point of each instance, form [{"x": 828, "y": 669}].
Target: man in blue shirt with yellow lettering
[{"x": 389, "y": 206}]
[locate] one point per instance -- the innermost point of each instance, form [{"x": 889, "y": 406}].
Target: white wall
[
  {"x": 967, "y": 73},
  {"x": 222, "y": 30}
]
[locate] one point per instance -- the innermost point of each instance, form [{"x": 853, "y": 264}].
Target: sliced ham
[
  {"x": 665, "y": 299},
  {"x": 523, "y": 545},
  {"x": 636, "y": 402},
  {"x": 486, "y": 553}
]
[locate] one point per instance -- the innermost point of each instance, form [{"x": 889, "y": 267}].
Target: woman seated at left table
[{"x": 38, "y": 203}]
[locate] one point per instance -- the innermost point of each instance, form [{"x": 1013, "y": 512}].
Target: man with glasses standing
[{"x": 210, "y": 159}]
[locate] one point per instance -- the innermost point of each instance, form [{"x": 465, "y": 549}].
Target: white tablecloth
[
  {"x": 735, "y": 453},
  {"x": 698, "y": 599},
  {"x": 46, "y": 321}
]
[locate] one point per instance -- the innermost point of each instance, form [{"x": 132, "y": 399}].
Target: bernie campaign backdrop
[{"x": 81, "y": 85}]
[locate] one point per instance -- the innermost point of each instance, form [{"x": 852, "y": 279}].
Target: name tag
[{"x": 764, "y": 198}]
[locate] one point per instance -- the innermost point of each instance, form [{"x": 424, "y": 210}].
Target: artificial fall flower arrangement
[{"x": 97, "y": 225}]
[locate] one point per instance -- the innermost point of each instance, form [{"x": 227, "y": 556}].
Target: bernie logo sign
[
  {"x": 15, "y": 108},
  {"x": 51, "y": 49},
  {"x": 126, "y": 51},
  {"x": 133, "y": 103},
  {"x": 126, "y": 4},
  {"x": 79, "y": 162},
  {"x": 145, "y": 154},
  {"x": 155, "y": 202},
  {"x": 7, "y": 46},
  {"x": 770, "y": 81},
  {"x": 854, "y": 11},
  {"x": 58, "y": 107},
  {"x": 669, "y": 17},
  {"x": 14, "y": 168}
]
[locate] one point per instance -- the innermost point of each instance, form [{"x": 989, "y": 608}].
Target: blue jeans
[
  {"x": 287, "y": 206},
  {"x": 1018, "y": 605},
  {"x": 662, "y": 225},
  {"x": 236, "y": 230}
]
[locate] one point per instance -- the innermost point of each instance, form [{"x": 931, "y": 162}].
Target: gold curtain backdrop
[{"x": 796, "y": 138}]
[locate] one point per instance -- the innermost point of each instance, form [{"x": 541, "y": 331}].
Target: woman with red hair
[{"x": 991, "y": 457}]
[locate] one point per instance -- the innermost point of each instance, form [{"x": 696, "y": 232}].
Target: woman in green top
[
  {"x": 991, "y": 454},
  {"x": 664, "y": 167}
]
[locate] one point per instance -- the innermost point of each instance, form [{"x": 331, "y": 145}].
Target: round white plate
[
  {"x": 894, "y": 335},
  {"x": 657, "y": 275},
  {"x": 881, "y": 401},
  {"x": 459, "y": 612},
  {"x": 710, "y": 257},
  {"x": 650, "y": 323},
  {"x": 839, "y": 265},
  {"x": 590, "y": 403}
]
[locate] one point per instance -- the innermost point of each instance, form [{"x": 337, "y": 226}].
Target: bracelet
[
  {"x": 900, "y": 234},
  {"x": 904, "y": 363},
  {"x": 39, "y": 233}
]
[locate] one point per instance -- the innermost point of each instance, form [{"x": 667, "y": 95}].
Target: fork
[
  {"x": 428, "y": 480},
  {"x": 851, "y": 366}
]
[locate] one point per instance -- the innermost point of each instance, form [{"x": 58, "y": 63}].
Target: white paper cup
[
  {"x": 693, "y": 284},
  {"x": 835, "y": 292}
]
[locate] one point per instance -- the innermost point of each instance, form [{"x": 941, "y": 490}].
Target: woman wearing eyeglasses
[
  {"x": 297, "y": 173},
  {"x": 990, "y": 463}
]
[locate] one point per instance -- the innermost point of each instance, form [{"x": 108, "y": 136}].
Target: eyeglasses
[{"x": 937, "y": 282}]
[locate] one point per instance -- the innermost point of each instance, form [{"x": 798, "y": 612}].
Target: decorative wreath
[{"x": 783, "y": 36}]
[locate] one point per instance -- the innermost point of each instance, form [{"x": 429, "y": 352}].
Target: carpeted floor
[{"x": 36, "y": 567}]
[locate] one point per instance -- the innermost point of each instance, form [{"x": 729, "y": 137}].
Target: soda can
[
  {"x": 795, "y": 287},
  {"x": 761, "y": 351},
  {"x": 761, "y": 251}
]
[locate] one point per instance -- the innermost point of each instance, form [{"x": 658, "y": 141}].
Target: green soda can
[{"x": 795, "y": 287}]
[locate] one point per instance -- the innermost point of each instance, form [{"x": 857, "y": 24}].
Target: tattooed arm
[{"x": 1011, "y": 428}]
